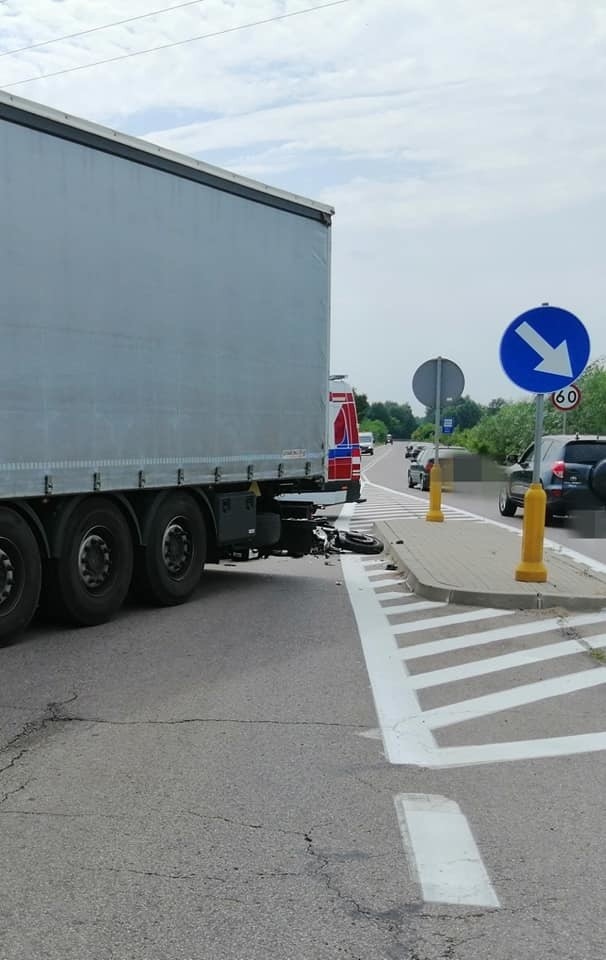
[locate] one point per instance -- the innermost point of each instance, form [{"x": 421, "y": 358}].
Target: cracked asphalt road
[
  {"x": 198, "y": 784},
  {"x": 191, "y": 784}
]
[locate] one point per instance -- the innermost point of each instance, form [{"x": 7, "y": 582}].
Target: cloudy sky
[{"x": 462, "y": 143}]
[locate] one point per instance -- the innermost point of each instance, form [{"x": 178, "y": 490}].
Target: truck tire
[
  {"x": 93, "y": 574},
  {"x": 20, "y": 575},
  {"x": 170, "y": 565}
]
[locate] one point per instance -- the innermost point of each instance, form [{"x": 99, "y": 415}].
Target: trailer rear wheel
[
  {"x": 93, "y": 574},
  {"x": 171, "y": 563},
  {"x": 20, "y": 574}
]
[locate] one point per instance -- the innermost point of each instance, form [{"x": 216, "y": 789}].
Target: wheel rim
[
  {"x": 177, "y": 548},
  {"x": 502, "y": 500},
  {"x": 95, "y": 565},
  {"x": 11, "y": 575}
]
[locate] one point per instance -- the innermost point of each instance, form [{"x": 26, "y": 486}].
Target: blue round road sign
[{"x": 545, "y": 349}]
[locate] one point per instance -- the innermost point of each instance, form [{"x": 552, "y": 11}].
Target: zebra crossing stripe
[
  {"x": 408, "y": 730},
  {"x": 517, "y": 631},
  {"x": 506, "y": 661},
  {"x": 404, "y": 592},
  {"x": 391, "y": 582},
  {"x": 507, "y": 751},
  {"x": 412, "y": 607},
  {"x": 400, "y": 629},
  {"x": 516, "y": 697}
]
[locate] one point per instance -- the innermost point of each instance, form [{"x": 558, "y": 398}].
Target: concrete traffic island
[{"x": 473, "y": 562}]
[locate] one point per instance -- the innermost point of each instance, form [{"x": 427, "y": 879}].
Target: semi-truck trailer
[{"x": 164, "y": 351}]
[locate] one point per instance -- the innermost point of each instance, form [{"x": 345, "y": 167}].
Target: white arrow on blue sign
[{"x": 545, "y": 349}]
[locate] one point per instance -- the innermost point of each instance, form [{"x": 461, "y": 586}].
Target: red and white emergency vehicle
[{"x": 343, "y": 475}]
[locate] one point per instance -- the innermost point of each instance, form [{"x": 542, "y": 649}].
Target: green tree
[
  {"x": 378, "y": 411},
  {"x": 507, "y": 428},
  {"x": 465, "y": 412},
  {"x": 361, "y": 400},
  {"x": 495, "y": 405},
  {"x": 590, "y": 415},
  {"x": 397, "y": 418},
  {"x": 508, "y": 431},
  {"x": 425, "y": 431},
  {"x": 402, "y": 420}
]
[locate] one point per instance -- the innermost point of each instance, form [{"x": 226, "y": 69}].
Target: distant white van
[{"x": 367, "y": 443}]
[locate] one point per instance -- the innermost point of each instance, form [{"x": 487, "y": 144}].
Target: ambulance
[{"x": 343, "y": 474}]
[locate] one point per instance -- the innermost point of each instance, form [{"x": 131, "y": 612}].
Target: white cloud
[{"x": 460, "y": 142}]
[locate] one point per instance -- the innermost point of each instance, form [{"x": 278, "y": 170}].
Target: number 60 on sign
[{"x": 566, "y": 399}]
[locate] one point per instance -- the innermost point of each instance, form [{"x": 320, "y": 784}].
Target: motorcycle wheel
[{"x": 358, "y": 542}]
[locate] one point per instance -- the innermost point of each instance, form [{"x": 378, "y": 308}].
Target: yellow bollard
[
  {"x": 434, "y": 513},
  {"x": 532, "y": 569}
]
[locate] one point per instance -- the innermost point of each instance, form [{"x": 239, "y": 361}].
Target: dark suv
[{"x": 573, "y": 475}]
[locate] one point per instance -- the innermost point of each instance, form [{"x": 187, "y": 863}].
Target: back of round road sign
[{"x": 425, "y": 381}]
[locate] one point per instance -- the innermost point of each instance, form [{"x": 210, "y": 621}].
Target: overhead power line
[
  {"x": 176, "y": 43},
  {"x": 103, "y": 26}
]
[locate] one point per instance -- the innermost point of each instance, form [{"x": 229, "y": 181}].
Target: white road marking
[
  {"x": 442, "y": 851},
  {"x": 404, "y": 592},
  {"x": 407, "y": 729},
  {"x": 374, "y": 734},
  {"x": 396, "y": 505},
  {"x": 450, "y": 620},
  {"x": 516, "y": 697},
  {"x": 412, "y": 607},
  {"x": 468, "y": 640},
  {"x": 392, "y": 698},
  {"x": 506, "y": 661},
  {"x": 390, "y": 582},
  {"x": 521, "y": 750},
  {"x": 343, "y": 520}
]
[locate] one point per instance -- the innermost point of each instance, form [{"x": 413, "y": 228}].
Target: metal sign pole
[
  {"x": 437, "y": 416},
  {"x": 538, "y": 437},
  {"x": 435, "y": 477}
]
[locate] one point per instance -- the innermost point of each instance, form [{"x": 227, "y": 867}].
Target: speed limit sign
[{"x": 566, "y": 399}]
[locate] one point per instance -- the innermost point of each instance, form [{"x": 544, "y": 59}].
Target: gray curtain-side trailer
[{"x": 164, "y": 340}]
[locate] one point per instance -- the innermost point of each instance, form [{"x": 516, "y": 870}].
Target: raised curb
[{"x": 421, "y": 582}]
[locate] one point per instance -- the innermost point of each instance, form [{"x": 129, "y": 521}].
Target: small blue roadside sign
[
  {"x": 545, "y": 349},
  {"x": 448, "y": 425}
]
